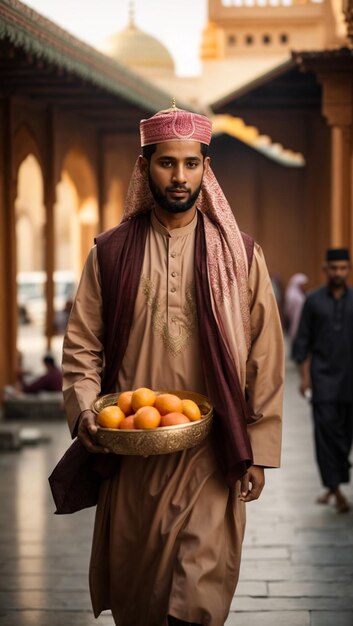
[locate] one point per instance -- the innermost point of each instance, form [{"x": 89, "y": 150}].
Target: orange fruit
[
  {"x": 172, "y": 419},
  {"x": 110, "y": 417},
  {"x": 128, "y": 423},
  {"x": 191, "y": 410},
  {"x": 124, "y": 402},
  {"x": 147, "y": 417},
  {"x": 168, "y": 403},
  {"x": 142, "y": 397}
]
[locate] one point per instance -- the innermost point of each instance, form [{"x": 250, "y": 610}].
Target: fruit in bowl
[
  {"x": 155, "y": 422},
  {"x": 145, "y": 409}
]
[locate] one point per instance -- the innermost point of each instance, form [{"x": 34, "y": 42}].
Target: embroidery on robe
[{"x": 174, "y": 344}]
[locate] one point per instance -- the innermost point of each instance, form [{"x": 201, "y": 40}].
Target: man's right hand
[
  {"x": 304, "y": 387},
  {"x": 305, "y": 378},
  {"x": 86, "y": 428}
]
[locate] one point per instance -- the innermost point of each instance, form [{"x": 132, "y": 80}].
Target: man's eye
[
  {"x": 166, "y": 163},
  {"x": 192, "y": 164}
]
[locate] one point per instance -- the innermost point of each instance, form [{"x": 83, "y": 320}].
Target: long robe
[{"x": 168, "y": 530}]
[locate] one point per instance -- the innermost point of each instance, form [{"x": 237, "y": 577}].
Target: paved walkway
[{"x": 297, "y": 567}]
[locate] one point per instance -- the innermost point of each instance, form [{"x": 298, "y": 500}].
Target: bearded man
[
  {"x": 323, "y": 349},
  {"x": 176, "y": 298}
]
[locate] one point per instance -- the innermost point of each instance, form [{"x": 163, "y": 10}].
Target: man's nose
[{"x": 179, "y": 174}]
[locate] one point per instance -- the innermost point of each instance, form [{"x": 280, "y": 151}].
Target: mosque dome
[{"x": 136, "y": 49}]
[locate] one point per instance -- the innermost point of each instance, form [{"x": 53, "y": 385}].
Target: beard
[
  {"x": 337, "y": 282},
  {"x": 169, "y": 205}
]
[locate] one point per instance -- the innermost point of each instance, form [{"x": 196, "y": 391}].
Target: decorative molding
[
  {"x": 236, "y": 127},
  {"x": 347, "y": 8}
]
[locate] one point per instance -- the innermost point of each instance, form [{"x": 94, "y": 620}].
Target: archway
[
  {"x": 30, "y": 218},
  {"x": 114, "y": 207},
  {"x": 76, "y": 212}
]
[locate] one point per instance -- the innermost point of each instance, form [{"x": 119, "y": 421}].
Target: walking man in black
[{"x": 323, "y": 348}]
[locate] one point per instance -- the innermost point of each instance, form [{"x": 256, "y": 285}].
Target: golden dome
[{"x": 134, "y": 48}]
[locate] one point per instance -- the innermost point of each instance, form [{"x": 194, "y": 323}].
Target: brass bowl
[{"x": 162, "y": 440}]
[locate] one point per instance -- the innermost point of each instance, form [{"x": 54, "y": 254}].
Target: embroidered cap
[{"x": 175, "y": 125}]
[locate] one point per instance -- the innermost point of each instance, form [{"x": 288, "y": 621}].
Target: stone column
[
  {"x": 101, "y": 190},
  {"x": 8, "y": 305},
  {"x": 49, "y": 200},
  {"x": 337, "y": 108},
  {"x": 341, "y": 213}
]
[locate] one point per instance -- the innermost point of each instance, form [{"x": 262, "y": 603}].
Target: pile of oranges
[{"x": 143, "y": 408}]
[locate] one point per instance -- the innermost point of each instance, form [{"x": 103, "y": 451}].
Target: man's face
[
  {"x": 337, "y": 273},
  {"x": 175, "y": 174}
]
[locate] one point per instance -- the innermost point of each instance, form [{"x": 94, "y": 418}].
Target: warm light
[
  {"x": 88, "y": 213},
  {"x": 263, "y": 3},
  {"x": 235, "y": 127},
  {"x": 263, "y": 140}
]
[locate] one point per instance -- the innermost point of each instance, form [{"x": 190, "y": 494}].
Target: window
[
  {"x": 249, "y": 40},
  {"x": 284, "y": 38},
  {"x": 266, "y": 39},
  {"x": 232, "y": 40}
]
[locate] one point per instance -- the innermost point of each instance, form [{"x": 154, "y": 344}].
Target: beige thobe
[{"x": 168, "y": 530}]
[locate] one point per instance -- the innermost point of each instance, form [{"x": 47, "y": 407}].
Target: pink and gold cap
[{"x": 175, "y": 125}]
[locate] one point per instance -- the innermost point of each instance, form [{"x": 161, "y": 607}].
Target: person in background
[
  {"x": 176, "y": 297},
  {"x": 50, "y": 381},
  {"x": 323, "y": 349},
  {"x": 294, "y": 298}
]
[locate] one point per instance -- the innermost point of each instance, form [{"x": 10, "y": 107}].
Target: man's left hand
[{"x": 252, "y": 483}]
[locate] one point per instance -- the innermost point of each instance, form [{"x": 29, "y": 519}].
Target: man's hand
[
  {"x": 86, "y": 428},
  {"x": 305, "y": 388},
  {"x": 252, "y": 483},
  {"x": 305, "y": 381}
]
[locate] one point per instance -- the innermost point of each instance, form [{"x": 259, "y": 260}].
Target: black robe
[{"x": 325, "y": 334}]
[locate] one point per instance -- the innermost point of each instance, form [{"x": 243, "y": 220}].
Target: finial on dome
[
  {"x": 131, "y": 13},
  {"x": 173, "y": 103}
]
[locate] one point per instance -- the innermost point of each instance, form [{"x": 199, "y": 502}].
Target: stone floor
[{"x": 297, "y": 567}]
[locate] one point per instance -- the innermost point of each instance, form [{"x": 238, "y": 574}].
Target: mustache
[{"x": 177, "y": 188}]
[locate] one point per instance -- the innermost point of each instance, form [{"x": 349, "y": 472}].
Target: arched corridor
[{"x": 297, "y": 564}]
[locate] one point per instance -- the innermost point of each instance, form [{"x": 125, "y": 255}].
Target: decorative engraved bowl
[{"x": 161, "y": 440}]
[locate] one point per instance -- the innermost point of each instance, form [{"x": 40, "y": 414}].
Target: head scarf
[
  {"x": 226, "y": 255},
  {"x": 294, "y": 298}
]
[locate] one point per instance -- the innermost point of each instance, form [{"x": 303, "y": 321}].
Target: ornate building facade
[
  {"x": 242, "y": 40},
  {"x": 283, "y": 147}
]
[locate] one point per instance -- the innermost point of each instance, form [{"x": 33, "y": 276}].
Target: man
[
  {"x": 323, "y": 348},
  {"x": 176, "y": 298}
]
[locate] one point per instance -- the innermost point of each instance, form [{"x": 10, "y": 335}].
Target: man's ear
[
  {"x": 143, "y": 164},
  {"x": 207, "y": 164}
]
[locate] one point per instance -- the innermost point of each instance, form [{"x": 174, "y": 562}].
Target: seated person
[{"x": 50, "y": 381}]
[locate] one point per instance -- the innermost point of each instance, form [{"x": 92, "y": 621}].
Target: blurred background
[
  {"x": 274, "y": 75},
  {"x": 276, "y": 78}
]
